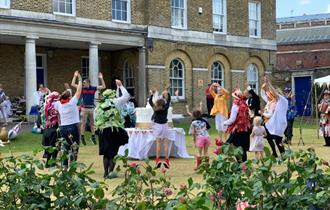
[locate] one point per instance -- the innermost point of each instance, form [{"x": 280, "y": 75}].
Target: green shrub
[{"x": 303, "y": 184}]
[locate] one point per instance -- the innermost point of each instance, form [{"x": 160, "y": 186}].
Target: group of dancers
[
  {"x": 62, "y": 118},
  {"x": 245, "y": 120}
]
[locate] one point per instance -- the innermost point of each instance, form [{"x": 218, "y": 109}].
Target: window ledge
[
  {"x": 180, "y": 28},
  {"x": 121, "y": 21},
  {"x": 255, "y": 37},
  {"x": 64, "y": 14},
  {"x": 4, "y": 7},
  {"x": 175, "y": 100},
  {"x": 220, "y": 33}
]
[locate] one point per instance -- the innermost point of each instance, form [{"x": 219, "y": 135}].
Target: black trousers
[
  {"x": 278, "y": 140},
  {"x": 71, "y": 146},
  {"x": 240, "y": 139},
  {"x": 289, "y": 130},
  {"x": 327, "y": 141},
  {"x": 209, "y": 104}
]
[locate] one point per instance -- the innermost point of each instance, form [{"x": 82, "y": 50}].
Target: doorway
[{"x": 302, "y": 88}]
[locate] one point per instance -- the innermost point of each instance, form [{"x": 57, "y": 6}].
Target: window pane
[
  {"x": 176, "y": 76},
  {"x": 69, "y": 8},
  {"x": 62, "y": 7},
  {"x": 55, "y": 6}
]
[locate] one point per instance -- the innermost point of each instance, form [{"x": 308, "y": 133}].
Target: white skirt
[
  {"x": 160, "y": 131},
  {"x": 219, "y": 120}
]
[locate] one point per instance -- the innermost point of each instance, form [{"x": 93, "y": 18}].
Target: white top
[
  {"x": 120, "y": 101},
  {"x": 69, "y": 113},
  {"x": 233, "y": 115},
  {"x": 276, "y": 125}
]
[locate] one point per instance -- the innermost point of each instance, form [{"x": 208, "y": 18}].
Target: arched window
[
  {"x": 252, "y": 76},
  {"x": 217, "y": 73},
  {"x": 128, "y": 77},
  {"x": 177, "y": 77}
]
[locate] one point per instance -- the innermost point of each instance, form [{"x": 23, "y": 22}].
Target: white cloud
[
  {"x": 305, "y": 2},
  {"x": 328, "y": 10}
]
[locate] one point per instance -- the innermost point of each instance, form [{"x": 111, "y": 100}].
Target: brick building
[
  {"x": 303, "y": 52},
  {"x": 147, "y": 43}
]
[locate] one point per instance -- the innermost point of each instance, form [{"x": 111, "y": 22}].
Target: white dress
[{"x": 257, "y": 144}]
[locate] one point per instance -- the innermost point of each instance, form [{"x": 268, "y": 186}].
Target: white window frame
[
  {"x": 82, "y": 67},
  {"x": 184, "y": 26},
  {"x": 128, "y": 12},
  {"x": 223, "y": 15},
  {"x": 87, "y": 68},
  {"x": 217, "y": 80},
  {"x": 5, "y": 4},
  {"x": 258, "y": 20},
  {"x": 129, "y": 76},
  {"x": 171, "y": 77},
  {"x": 63, "y": 13},
  {"x": 253, "y": 67}
]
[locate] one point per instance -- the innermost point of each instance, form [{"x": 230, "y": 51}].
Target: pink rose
[
  {"x": 167, "y": 192},
  {"x": 133, "y": 165},
  {"x": 217, "y": 151},
  {"x": 219, "y": 194},
  {"x": 244, "y": 167},
  {"x": 243, "y": 205},
  {"x": 218, "y": 142}
]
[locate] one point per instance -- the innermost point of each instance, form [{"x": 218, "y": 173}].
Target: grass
[{"x": 181, "y": 169}]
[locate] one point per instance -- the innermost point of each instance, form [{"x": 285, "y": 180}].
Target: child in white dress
[{"x": 258, "y": 133}]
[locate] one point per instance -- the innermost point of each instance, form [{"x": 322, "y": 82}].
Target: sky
[{"x": 288, "y": 8}]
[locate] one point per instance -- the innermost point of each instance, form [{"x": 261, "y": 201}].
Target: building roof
[
  {"x": 303, "y": 18},
  {"x": 303, "y": 35}
]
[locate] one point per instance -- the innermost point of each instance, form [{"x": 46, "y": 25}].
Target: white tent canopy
[{"x": 323, "y": 80}]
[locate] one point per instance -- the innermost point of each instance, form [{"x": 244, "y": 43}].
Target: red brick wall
[{"x": 300, "y": 57}]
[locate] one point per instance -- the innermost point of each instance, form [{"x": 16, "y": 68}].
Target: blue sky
[{"x": 287, "y": 8}]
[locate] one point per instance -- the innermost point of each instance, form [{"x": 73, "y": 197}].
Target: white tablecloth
[{"x": 142, "y": 144}]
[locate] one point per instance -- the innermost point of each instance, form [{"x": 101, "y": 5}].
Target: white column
[
  {"x": 94, "y": 63},
  {"x": 142, "y": 87},
  {"x": 30, "y": 71}
]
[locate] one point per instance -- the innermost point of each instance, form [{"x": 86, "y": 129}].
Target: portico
[{"x": 65, "y": 48}]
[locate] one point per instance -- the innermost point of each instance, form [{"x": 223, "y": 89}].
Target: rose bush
[{"x": 303, "y": 184}]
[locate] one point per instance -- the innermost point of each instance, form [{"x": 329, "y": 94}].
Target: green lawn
[{"x": 181, "y": 169}]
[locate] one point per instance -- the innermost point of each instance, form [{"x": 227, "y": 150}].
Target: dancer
[
  {"x": 69, "y": 121},
  {"x": 220, "y": 108},
  {"x": 274, "y": 116},
  {"x": 160, "y": 126},
  {"x": 49, "y": 137},
  {"x": 87, "y": 111},
  {"x": 253, "y": 101},
  {"x": 324, "y": 108},
  {"x": 239, "y": 124},
  {"x": 258, "y": 133},
  {"x": 110, "y": 124},
  {"x": 291, "y": 114},
  {"x": 198, "y": 129}
]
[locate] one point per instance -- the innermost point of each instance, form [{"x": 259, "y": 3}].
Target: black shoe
[
  {"x": 83, "y": 140},
  {"x": 93, "y": 140}
]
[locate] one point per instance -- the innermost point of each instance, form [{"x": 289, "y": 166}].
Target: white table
[{"x": 142, "y": 144}]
